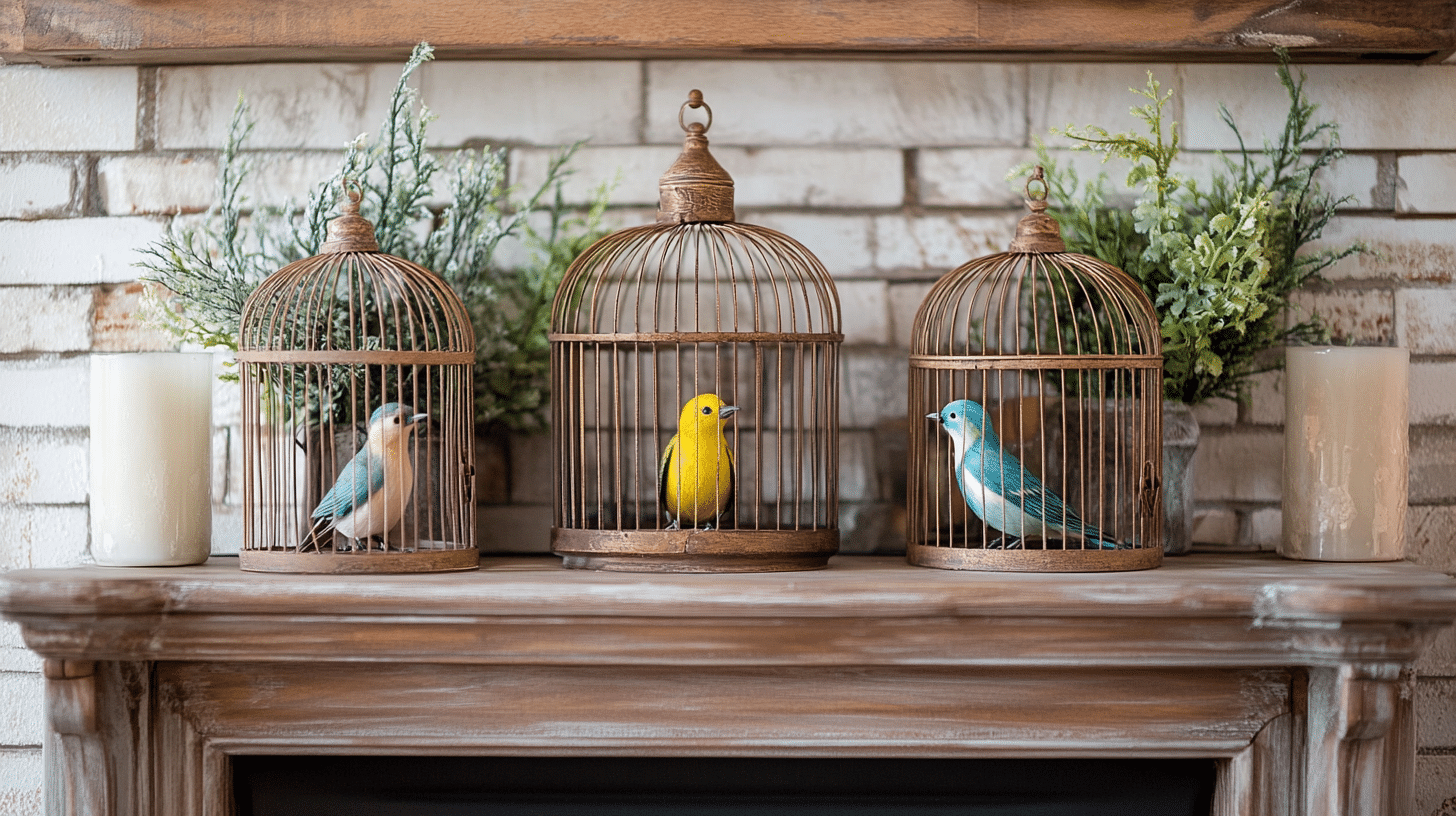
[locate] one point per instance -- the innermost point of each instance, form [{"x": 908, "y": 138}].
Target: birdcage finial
[
  {"x": 696, "y": 188},
  {"x": 350, "y": 232},
  {"x": 1037, "y": 231}
]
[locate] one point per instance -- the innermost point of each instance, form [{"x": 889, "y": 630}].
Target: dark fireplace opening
[{"x": 694, "y": 786}]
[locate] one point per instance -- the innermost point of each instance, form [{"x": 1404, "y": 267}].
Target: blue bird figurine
[
  {"x": 1000, "y": 491},
  {"x": 370, "y": 495}
]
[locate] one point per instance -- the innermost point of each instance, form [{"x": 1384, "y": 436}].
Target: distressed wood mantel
[
  {"x": 207, "y": 31},
  {"x": 1296, "y": 677}
]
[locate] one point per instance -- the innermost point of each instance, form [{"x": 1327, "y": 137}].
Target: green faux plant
[
  {"x": 205, "y": 272},
  {"x": 1220, "y": 264}
]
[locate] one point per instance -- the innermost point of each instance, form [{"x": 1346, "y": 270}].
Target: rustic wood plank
[
  {"x": 1263, "y": 587},
  {"x": 323, "y": 708},
  {"x": 181, "y": 31},
  {"x": 1295, "y": 675},
  {"x": 605, "y": 641}
]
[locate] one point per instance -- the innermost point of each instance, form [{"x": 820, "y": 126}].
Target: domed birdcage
[
  {"x": 358, "y": 432},
  {"x": 695, "y": 407},
  {"x": 1036, "y": 413}
]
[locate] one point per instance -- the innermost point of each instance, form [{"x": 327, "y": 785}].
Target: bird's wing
[
  {"x": 355, "y": 484},
  {"x": 1004, "y": 474},
  {"x": 732, "y": 476},
  {"x": 662, "y": 466},
  {"x": 1024, "y": 489}
]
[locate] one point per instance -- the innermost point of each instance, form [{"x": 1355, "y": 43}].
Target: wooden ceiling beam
[{"x": 59, "y": 32}]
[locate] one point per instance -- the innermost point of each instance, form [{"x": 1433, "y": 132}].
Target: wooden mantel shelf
[
  {"x": 206, "y": 31},
  {"x": 1296, "y": 677}
]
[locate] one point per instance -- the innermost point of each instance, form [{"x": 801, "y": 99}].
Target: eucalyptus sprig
[
  {"x": 1220, "y": 265},
  {"x": 205, "y": 273}
]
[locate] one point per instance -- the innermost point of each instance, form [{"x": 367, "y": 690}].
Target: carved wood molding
[
  {"x": 197, "y": 31},
  {"x": 1295, "y": 677}
]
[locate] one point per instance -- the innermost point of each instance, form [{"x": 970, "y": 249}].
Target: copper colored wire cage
[
  {"x": 650, "y": 318},
  {"x": 326, "y": 343},
  {"x": 1062, "y": 354}
]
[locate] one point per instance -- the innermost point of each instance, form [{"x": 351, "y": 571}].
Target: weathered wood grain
[
  {"x": 324, "y": 708},
  {"x": 1264, "y": 588},
  {"x": 182, "y": 31},
  {"x": 1295, "y": 676}
]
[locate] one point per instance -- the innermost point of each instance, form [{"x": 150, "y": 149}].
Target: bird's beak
[
  {"x": 727, "y": 411},
  {"x": 418, "y": 418},
  {"x": 932, "y": 416}
]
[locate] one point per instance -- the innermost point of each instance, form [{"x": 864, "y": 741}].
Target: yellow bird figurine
[{"x": 695, "y": 477}]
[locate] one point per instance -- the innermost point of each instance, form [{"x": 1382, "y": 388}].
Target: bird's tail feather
[{"x": 320, "y": 536}]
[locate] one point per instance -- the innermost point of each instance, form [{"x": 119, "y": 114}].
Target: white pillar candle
[
  {"x": 1345, "y": 451},
  {"x": 151, "y": 459}
]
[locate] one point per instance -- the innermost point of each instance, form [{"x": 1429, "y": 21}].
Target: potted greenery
[
  {"x": 205, "y": 273},
  {"x": 1220, "y": 264}
]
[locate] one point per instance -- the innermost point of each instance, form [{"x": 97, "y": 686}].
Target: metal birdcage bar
[
  {"x": 358, "y": 433},
  {"x": 650, "y": 320},
  {"x": 1035, "y": 413}
]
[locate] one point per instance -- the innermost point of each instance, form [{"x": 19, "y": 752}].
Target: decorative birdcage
[
  {"x": 358, "y": 433},
  {"x": 695, "y": 412},
  {"x": 1035, "y": 412}
]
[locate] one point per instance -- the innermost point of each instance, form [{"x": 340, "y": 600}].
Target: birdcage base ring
[
  {"x": 991, "y": 560},
  {"x": 453, "y": 560},
  {"x": 695, "y": 550}
]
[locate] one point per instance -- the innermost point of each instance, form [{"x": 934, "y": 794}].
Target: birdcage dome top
[
  {"x": 352, "y": 299},
  {"x": 1037, "y": 299},
  {"x": 697, "y": 271}
]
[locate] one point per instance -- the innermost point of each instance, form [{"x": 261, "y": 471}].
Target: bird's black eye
[
  {"x": 396, "y": 420},
  {"x": 707, "y": 410},
  {"x": 952, "y": 416}
]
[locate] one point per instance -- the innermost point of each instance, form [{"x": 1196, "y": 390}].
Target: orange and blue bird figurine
[{"x": 695, "y": 476}]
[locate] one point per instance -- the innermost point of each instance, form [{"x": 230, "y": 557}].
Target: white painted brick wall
[
  {"x": 938, "y": 243},
  {"x": 1430, "y": 531},
  {"x": 13, "y": 654},
  {"x": 840, "y": 242},
  {"x": 36, "y": 189},
  {"x": 548, "y": 103},
  {"x": 43, "y": 536},
  {"x": 45, "y": 392},
  {"x": 1383, "y": 107},
  {"x": 22, "y": 705},
  {"x": 66, "y": 109},
  {"x": 856, "y": 465},
  {"x": 1266, "y": 528},
  {"x": 1426, "y": 183},
  {"x": 1409, "y": 250},
  {"x": 22, "y": 773},
  {"x": 1433, "y": 397},
  {"x": 1239, "y": 466},
  {"x": 1364, "y": 317},
  {"x": 873, "y": 387},
  {"x": 1426, "y": 320},
  {"x": 784, "y": 177},
  {"x": 116, "y": 323},
  {"x": 43, "y": 466},
  {"x": 1432, "y": 466},
  {"x": 862, "y": 304},
  {"x": 905, "y": 299},
  {"x": 134, "y": 185},
  {"x": 1435, "y": 778},
  {"x": 46, "y": 318},
  {"x": 1081, "y": 95},
  {"x": 74, "y": 250},
  {"x": 294, "y": 105},
  {"x": 1266, "y": 399},
  {"x": 1216, "y": 412},
  {"x": 897, "y": 104}
]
